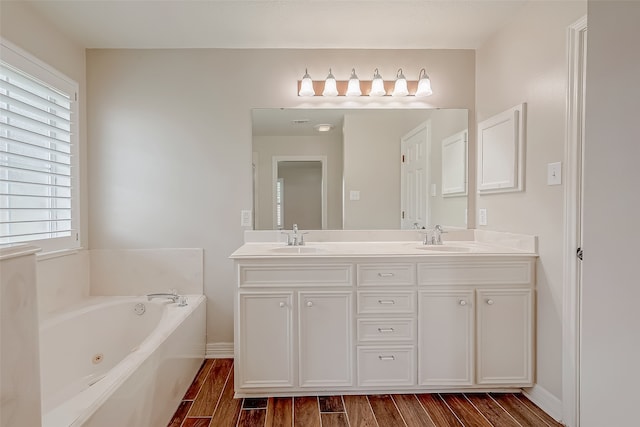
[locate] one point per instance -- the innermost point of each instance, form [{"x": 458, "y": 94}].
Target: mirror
[{"x": 378, "y": 168}]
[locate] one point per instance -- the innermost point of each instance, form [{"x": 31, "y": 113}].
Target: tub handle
[{"x": 182, "y": 301}]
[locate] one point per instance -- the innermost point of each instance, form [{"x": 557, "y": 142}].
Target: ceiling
[{"x": 356, "y": 24}]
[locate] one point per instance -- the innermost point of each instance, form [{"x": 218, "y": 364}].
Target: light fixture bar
[{"x": 365, "y": 86}]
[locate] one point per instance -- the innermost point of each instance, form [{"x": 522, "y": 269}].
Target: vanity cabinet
[{"x": 315, "y": 325}]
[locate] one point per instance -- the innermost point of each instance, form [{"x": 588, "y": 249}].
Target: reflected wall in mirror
[{"x": 365, "y": 184}]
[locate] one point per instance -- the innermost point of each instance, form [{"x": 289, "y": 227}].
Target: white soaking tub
[{"x": 119, "y": 361}]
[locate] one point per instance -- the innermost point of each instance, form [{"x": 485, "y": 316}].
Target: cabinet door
[
  {"x": 325, "y": 339},
  {"x": 265, "y": 339},
  {"x": 505, "y": 336},
  {"x": 445, "y": 337}
]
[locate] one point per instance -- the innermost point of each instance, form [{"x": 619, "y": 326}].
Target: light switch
[
  {"x": 354, "y": 195},
  {"x": 554, "y": 173},
  {"x": 482, "y": 217},
  {"x": 434, "y": 190}
]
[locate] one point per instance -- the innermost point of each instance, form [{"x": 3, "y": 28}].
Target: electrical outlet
[
  {"x": 354, "y": 195},
  {"x": 245, "y": 218},
  {"x": 482, "y": 216}
]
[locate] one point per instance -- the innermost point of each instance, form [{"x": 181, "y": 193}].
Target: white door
[
  {"x": 414, "y": 180},
  {"x": 325, "y": 339},
  {"x": 505, "y": 336},
  {"x": 265, "y": 346},
  {"x": 445, "y": 338}
]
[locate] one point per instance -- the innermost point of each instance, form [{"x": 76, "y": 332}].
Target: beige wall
[
  {"x": 526, "y": 62},
  {"x": 302, "y": 194},
  {"x": 611, "y": 281},
  {"x": 267, "y": 147},
  {"x": 170, "y": 133}
]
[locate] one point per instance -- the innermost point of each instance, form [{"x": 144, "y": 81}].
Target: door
[
  {"x": 445, "y": 338},
  {"x": 325, "y": 339},
  {"x": 414, "y": 179},
  {"x": 265, "y": 346},
  {"x": 505, "y": 336}
]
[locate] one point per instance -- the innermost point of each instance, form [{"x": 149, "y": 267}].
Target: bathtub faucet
[{"x": 173, "y": 296}]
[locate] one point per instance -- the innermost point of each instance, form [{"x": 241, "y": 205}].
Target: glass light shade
[
  {"x": 330, "y": 88},
  {"x": 377, "y": 85},
  {"x": 424, "y": 85},
  {"x": 306, "y": 85},
  {"x": 400, "y": 88},
  {"x": 353, "y": 87}
]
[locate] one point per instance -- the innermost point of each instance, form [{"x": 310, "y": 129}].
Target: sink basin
[
  {"x": 297, "y": 250},
  {"x": 444, "y": 248}
]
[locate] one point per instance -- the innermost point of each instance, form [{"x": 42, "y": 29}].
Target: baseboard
[
  {"x": 219, "y": 350},
  {"x": 545, "y": 400}
]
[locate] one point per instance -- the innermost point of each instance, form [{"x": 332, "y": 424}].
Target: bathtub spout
[{"x": 172, "y": 296}]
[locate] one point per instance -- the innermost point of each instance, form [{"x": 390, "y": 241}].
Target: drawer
[
  {"x": 485, "y": 272},
  {"x": 386, "y": 274},
  {"x": 386, "y": 366},
  {"x": 394, "y": 302},
  {"x": 295, "y": 275},
  {"x": 386, "y": 330}
]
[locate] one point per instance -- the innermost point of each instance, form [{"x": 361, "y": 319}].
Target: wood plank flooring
[{"x": 209, "y": 402}]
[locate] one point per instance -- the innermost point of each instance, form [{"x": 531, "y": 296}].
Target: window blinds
[{"x": 36, "y": 171}]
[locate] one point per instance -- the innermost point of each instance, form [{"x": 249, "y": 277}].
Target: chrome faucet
[
  {"x": 173, "y": 296},
  {"x": 434, "y": 236},
  {"x": 295, "y": 238}
]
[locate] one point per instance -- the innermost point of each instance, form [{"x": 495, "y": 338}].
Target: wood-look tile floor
[{"x": 209, "y": 402}]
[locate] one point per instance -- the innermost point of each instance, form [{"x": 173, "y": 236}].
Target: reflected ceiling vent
[
  {"x": 323, "y": 127},
  {"x": 300, "y": 121}
]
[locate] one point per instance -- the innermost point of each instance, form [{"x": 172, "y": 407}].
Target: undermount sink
[
  {"x": 297, "y": 250},
  {"x": 444, "y": 248}
]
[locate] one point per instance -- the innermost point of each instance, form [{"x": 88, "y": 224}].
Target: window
[{"x": 38, "y": 154}]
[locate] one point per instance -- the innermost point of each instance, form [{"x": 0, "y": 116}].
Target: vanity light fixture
[
  {"x": 330, "y": 88},
  {"x": 400, "y": 88},
  {"x": 424, "y": 85},
  {"x": 353, "y": 88},
  {"x": 377, "y": 85},
  {"x": 306, "y": 86}
]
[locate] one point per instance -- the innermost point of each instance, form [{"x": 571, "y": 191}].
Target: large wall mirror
[{"x": 365, "y": 169}]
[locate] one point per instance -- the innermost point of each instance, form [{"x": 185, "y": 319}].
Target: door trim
[{"x": 571, "y": 313}]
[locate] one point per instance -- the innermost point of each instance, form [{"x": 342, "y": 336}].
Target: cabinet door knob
[
  {"x": 309, "y": 304},
  {"x": 462, "y": 302},
  {"x": 282, "y": 305},
  {"x": 490, "y": 301}
]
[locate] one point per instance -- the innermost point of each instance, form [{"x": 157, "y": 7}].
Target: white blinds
[{"x": 36, "y": 182}]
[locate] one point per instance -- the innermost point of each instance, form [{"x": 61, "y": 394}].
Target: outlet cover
[
  {"x": 482, "y": 216},
  {"x": 354, "y": 195},
  {"x": 245, "y": 218}
]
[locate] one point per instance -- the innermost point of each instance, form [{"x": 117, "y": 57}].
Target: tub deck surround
[
  {"x": 390, "y": 315},
  {"x": 103, "y": 364}
]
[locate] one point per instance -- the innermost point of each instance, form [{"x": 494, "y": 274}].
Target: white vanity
[{"x": 376, "y": 312}]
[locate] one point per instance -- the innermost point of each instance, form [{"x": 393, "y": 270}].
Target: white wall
[
  {"x": 611, "y": 281},
  {"x": 302, "y": 191},
  {"x": 526, "y": 62},
  {"x": 170, "y": 141}
]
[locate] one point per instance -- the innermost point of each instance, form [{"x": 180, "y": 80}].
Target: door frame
[
  {"x": 299, "y": 158},
  {"x": 571, "y": 313}
]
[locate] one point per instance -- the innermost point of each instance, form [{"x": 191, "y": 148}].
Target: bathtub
[{"x": 119, "y": 361}]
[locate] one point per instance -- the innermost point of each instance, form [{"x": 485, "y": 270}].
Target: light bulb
[
  {"x": 306, "y": 86},
  {"x": 377, "y": 85},
  {"x": 353, "y": 88},
  {"x": 330, "y": 88}
]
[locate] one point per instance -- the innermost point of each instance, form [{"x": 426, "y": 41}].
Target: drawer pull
[
  {"x": 386, "y": 301},
  {"x": 462, "y": 302},
  {"x": 309, "y": 304},
  {"x": 384, "y": 330},
  {"x": 386, "y": 357},
  {"x": 490, "y": 301},
  {"x": 385, "y": 274}
]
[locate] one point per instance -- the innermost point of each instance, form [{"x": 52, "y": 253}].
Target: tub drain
[
  {"x": 139, "y": 309},
  {"x": 97, "y": 358}
]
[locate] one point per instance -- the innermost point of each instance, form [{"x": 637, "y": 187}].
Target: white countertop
[{"x": 376, "y": 249}]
